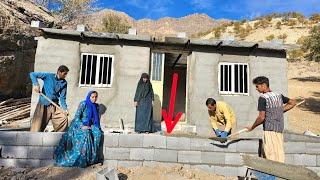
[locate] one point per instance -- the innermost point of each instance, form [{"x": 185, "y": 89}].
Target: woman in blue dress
[{"x": 79, "y": 145}]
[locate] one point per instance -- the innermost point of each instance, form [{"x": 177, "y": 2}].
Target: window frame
[
  {"x": 96, "y": 84},
  {"x": 232, "y": 91}
]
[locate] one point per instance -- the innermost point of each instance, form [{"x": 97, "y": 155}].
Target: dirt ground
[
  {"x": 89, "y": 173},
  {"x": 304, "y": 84}
]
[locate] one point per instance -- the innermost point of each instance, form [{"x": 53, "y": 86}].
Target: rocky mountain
[
  {"x": 166, "y": 26},
  {"x": 17, "y": 45}
]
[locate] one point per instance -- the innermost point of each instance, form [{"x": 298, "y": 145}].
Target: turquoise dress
[{"x": 79, "y": 147}]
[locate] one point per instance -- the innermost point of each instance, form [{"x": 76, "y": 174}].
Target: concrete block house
[{"x": 112, "y": 64}]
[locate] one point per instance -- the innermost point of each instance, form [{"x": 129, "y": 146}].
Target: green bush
[
  {"x": 270, "y": 37},
  {"x": 113, "y": 23},
  {"x": 312, "y": 44}
]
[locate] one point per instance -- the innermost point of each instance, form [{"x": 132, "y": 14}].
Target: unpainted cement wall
[
  {"x": 202, "y": 83},
  {"x": 115, "y": 102}
]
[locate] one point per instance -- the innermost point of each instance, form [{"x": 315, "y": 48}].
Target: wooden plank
[
  {"x": 6, "y": 101},
  {"x": 282, "y": 170}
]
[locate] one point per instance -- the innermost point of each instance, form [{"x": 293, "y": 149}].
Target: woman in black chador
[{"x": 144, "y": 101}]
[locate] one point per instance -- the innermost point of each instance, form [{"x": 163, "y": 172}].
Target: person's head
[
  {"x": 62, "y": 72},
  {"x": 211, "y": 104},
  {"x": 145, "y": 77},
  {"x": 261, "y": 83},
  {"x": 93, "y": 96}
]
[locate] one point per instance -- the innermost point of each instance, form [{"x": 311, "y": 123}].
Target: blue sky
[{"x": 229, "y": 9}]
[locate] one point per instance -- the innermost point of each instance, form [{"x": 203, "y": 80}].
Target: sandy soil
[
  {"x": 304, "y": 84},
  {"x": 132, "y": 173}
]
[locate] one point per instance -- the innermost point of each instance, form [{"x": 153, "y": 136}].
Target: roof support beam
[{"x": 176, "y": 61}]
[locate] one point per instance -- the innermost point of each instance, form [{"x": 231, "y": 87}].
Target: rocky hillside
[
  {"x": 167, "y": 26},
  {"x": 17, "y": 45},
  {"x": 290, "y": 34}
]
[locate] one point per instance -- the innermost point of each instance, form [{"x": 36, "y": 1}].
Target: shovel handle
[
  {"x": 241, "y": 131},
  {"x": 56, "y": 105}
]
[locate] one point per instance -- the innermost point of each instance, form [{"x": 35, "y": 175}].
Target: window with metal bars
[
  {"x": 96, "y": 70},
  {"x": 233, "y": 78},
  {"x": 157, "y": 66}
]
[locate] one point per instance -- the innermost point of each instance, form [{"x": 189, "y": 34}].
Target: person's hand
[
  {"x": 224, "y": 134},
  {"x": 152, "y": 103},
  {"x": 218, "y": 132},
  {"x": 36, "y": 89},
  {"x": 66, "y": 112},
  {"x": 135, "y": 103},
  {"x": 249, "y": 128},
  {"x": 85, "y": 127}
]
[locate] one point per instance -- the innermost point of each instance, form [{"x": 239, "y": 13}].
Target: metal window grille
[
  {"x": 157, "y": 66},
  {"x": 233, "y": 78},
  {"x": 96, "y": 70}
]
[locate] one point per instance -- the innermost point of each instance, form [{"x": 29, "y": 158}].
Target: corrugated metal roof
[{"x": 169, "y": 40}]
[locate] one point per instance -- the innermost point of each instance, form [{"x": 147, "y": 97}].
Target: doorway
[{"x": 163, "y": 66}]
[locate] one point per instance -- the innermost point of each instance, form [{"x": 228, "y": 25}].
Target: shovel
[
  {"x": 56, "y": 105},
  {"x": 223, "y": 140}
]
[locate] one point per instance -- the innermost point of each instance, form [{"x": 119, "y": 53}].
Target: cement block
[
  {"x": 8, "y": 138},
  {"x": 305, "y": 159},
  {"x": 242, "y": 171},
  {"x": 40, "y": 152},
  {"x": 20, "y": 162},
  {"x": 156, "y": 163},
  {"x": 111, "y": 163},
  {"x": 318, "y": 160},
  {"x": 129, "y": 163},
  {"x": 14, "y": 152},
  {"x": 30, "y": 138},
  {"x": 156, "y": 141},
  {"x": 189, "y": 156},
  {"x": 141, "y": 154},
  {"x": 117, "y": 153},
  {"x": 178, "y": 143},
  {"x": 7, "y": 162},
  {"x": 206, "y": 168},
  {"x": 233, "y": 158},
  {"x": 111, "y": 140},
  {"x": 51, "y": 138},
  {"x": 289, "y": 159},
  {"x": 294, "y": 147},
  {"x": 130, "y": 140},
  {"x": 226, "y": 171},
  {"x": 44, "y": 163},
  {"x": 201, "y": 144},
  {"x": 313, "y": 148},
  {"x": 165, "y": 155},
  {"x": 213, "y": 157},
  {"x": 248, "y": 146},
  {"x": 107, "y": 173}
]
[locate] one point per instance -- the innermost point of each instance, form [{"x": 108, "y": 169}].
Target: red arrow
[{"x": 168, "y": 119}]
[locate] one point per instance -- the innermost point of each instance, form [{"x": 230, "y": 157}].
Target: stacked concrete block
[
  {"x": 154, "y": 141},
  {"x": 131, "y": 140},
  {"x": 141, "y": 154},
  {"x": 23, "y": 149},
  {"x": 189, "y": 156},
  {"x": 178, "y": 143},
  {"x": 165, "y": 155}
]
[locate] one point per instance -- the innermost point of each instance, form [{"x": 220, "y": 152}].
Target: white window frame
[
  {"x": 96, "y": 84},
  {"x": 232, "y": 91}
]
